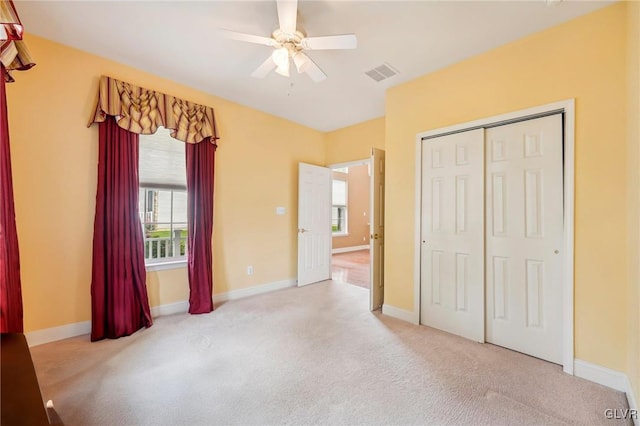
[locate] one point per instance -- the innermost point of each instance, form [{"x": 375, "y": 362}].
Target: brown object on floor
[
  {"x": 308, "y": 355},
  {"x": 20, "y": 401},
  {"x": 351, "y": 268}
]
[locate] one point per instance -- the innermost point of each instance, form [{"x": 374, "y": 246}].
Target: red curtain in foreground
[
  {"x": 119, "y": 301},
  {"x": 200, "y": 169},
  {"x": 10, "y": 288}
]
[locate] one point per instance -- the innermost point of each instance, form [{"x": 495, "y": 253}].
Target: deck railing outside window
[{"x": 160, "y": 249}]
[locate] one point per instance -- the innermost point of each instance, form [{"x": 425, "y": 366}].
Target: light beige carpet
[{"x": 307, "y": 356}]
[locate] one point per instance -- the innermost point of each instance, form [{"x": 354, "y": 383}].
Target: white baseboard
[
  {"x": 46, "y": 335},
  {"x": 348, "y": 249},
  {"x": 400, "y": 314},
  {"x": 170, "y": 308},
  {"x": 255, "y": 290},
  {"x": 633, "y": 402},
  {"x": 183, "y": 306},
  {"x": 607, "y": 377}
]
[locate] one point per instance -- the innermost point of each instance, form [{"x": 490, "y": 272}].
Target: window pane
[
  {"x": 162, "y": 161},
  {"x": 339, "y": 219},
  {"x": 164, "y": 223},
  {"x": 163, "y": 208},
  {"x": 162, "y": 201},
  {"x": 180, "y": 209},
  {"x": 339, "y": 193}
]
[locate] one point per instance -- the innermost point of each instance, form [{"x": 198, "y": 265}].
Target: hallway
[{"x": 351, "y": 268}]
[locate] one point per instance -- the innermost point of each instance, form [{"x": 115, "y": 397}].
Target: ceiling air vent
[{"x": 382, "y": 72}]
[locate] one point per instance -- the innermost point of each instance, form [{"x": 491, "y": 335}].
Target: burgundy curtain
[
  {"x": 119, "y": 301},
  {"x": 200, "y": 170},
  {"x": 10, "y": 288}
]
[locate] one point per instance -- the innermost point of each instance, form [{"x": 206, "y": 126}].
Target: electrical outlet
[{"x": 249, "y": 270}]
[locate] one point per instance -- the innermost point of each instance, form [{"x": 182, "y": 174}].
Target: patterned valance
[
  {"x": 10, "y": 25},
  {"x": 14, "y": 54},
  {"x": 142, "y": 111}
]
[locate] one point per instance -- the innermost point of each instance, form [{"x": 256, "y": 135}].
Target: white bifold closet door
[
  {"x": 524, "y": 206},
  {"x": 492, "y": 227},
  {"x": 452, "y": 255}
]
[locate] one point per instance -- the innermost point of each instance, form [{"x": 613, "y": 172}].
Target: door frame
[
  {"x": 567, "y": 108},
  {"x": 362, "y": 162}
]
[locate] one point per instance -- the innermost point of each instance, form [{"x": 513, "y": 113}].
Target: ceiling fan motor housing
[{"x": 293, "y": 42}]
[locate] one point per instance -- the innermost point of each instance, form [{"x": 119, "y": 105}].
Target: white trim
[
  {"x": 417, "y": 237},
  {"x": 607, "y": 377},
  {"x": 631, "y": 399},
  {"x": 568, "y": 260},
  {"x": 176, "y": 264},
  {"x": 350, "y": 163},
  {"x": 339, "y": 234},
  {"x": 568, "y": 107},
  {"x": 400, "y": 314},
  {"x": 349, "y": 249},
  {"x": 541, "y": 109},
  {"x": 171, "y": 308},
  {"x": 255, "y": 290},
  {"x": 604, "y": 376},
  {"x": 46, "y": 335}
]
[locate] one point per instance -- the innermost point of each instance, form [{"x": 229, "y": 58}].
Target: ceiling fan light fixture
[
  {"x": 283, "y": 70},
  {"x": 301, "y": 61},
  {"x": 289, "y": 42},
  {"x": 281, "y": 57}
]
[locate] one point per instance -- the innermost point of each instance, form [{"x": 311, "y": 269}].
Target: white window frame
[
  {"x": 343, "y": 232},
  {"x": 163, "y": 263},
  {"x": 174, "y": 262}
]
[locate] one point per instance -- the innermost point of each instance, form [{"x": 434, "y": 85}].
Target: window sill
[
  {"x": 340, "y": 234},
  {"x": 162, "y": 266}
]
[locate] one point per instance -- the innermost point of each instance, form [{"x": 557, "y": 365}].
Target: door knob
[{"x": 302, "y": 230}]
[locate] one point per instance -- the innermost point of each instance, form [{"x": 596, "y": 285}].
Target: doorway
[
  {"x": 321, "y": 217},
  {"x": 495, "y": 248},
  {"x": 350, "y": 223}
]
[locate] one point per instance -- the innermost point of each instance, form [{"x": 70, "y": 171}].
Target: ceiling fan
[{"x": 289, "y": 43}]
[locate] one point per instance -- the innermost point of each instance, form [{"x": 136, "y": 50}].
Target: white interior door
[
  {"x": 376, "y": 248},
  {"x": 452, "y": 255},
  {"x": 524, "y": 204},
  {"x": 314, "y": 224}
]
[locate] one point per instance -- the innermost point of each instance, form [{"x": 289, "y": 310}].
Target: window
[
  {"x": 339, "y": 207},
  {"x": 162, "y": 200}
]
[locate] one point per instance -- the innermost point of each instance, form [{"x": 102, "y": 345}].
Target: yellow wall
[
  {"x": 54, "y": 160},
  {"x": 358, "y": 194},
  {"x": 633, "y": 55},
  {"x": 582, "y": 59},
  {"x": 590, "y": 59},
  {"x": 354, "y": 142}
]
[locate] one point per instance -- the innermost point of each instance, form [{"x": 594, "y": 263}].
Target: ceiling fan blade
[
  {"x": 288, "y": 15},
  {"x": 314, "y": 71},
  {"x": 263, "y": 70},
  {"x": 233, "y": 35},
  {"x": 346, "y": 41}
]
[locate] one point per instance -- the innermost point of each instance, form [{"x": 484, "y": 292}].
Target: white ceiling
[{"x": 178, "y": 40}]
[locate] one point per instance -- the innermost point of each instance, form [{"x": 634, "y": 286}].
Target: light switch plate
[{"x": 280, "y": 211}]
